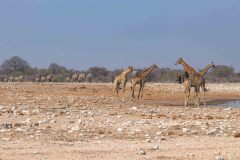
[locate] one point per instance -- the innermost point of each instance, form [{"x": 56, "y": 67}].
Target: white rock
[
  {"x": 79, "y": 121},
  {"x": 35, "y": 152},
  {"x": 38, "y": 131},
  {"x": 219, "y": 158},
  {"x": 42, "y": 121},
  {"x": 27, "y": 121},
  {"x": 212, "y": 131},
  {"x": 142, "y": 152},
  {"x": 119, "y": 129},
  {"x": 138, "y": 130},
  {"x": 156, "y": 147},
  {"x": 2, "y": 107},
  {"x": 13, "y": 108},
  {"x": 26, "y": 112},
  {"x": 36, "y": 111},
  {"x": 178, "y": 145},
  {"x": 70, "y": 131},
  {"x": 158, "y": 133},
  {"x": 134, "y": 108},
  {"x": 6, "y": 139},
  {"x": 75, "y": 128},
  {"x": 20, "y": 130},
  {"x": 185, "y": 130},
  {"x": 163, "y": 138},
  {"x": 4, "y": 130}
]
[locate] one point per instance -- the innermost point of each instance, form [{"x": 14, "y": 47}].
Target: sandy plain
[{"x": 84, "y": 121}]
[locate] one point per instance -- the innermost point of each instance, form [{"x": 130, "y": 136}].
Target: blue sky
[{"x": 114, "y": 34}]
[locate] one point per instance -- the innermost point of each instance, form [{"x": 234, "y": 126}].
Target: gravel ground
[{"x": 84, "y": 121}]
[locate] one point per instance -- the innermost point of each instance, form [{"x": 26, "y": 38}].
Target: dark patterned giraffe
[
  {"x": 141, "y": 78},
  {"x": 194, "y": 79}
]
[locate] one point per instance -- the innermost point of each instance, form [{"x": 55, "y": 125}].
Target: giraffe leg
[
  {"x": 133, "y": 89},
  {"x": 197, "y": 97},
  {"x": 187, "y": 95},
  {"x": 139, "y": 92},
  {"x": 204, "y": 93},
  {"x": 124, "y": 84},
  {"x": 194, "y": 96},
  {"x": 116, "y": 88},
  {"x": 142, "y": 90}
]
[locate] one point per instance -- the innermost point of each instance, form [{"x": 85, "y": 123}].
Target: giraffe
[
  {"x": 181, "y": 77},
  {"x": 121, "y": 79},
  {"x": 194, "y": 79},
  {"x": 206, "y": 69},
  {"x": 189, "y": 71},
  {"x": 141, "y": 78},
  {"x": 203, "y": 72}
]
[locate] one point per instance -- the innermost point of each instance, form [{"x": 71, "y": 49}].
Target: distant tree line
[{"x": 18, "y": 69}]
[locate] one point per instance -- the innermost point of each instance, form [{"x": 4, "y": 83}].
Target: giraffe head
[
  {"x": 179, "y": 61},
  {"x": 212, "y": 65},
  {"x": 130, "y": 68},
  {"x": 156, "y": 67}
]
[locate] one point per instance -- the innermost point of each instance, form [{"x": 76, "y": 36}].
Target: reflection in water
[{"x": 233, "y": 103}]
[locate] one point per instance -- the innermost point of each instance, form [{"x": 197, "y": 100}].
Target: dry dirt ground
[{"x": 83, "y": 121}]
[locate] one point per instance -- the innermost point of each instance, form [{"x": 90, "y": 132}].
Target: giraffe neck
[
  {"x": 147, "y": 71},
  {"x": 190, "y": 70},
  {"x": 125, "y": 73},
  {"x": 205, "y": 70}
]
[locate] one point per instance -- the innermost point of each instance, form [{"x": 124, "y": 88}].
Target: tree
[
  {"x": 222, "y": 73},
  {"x": 15, "y": 64},
  {"x": 56, "y": 69},
  {"x": 100, "y": 74}
]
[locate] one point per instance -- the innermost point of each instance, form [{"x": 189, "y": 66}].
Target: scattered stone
[
  {"x": 219, "y": 158},
  {"x": 185, "y": 130},
  {"x": 158, "y": 133},
  {"x": 178, "y": 145},
  {"x": 156, "y": 147},
  {"x": 75, "y": 128},
  {"x": 134, "y": 108},
  {"x": 119, "y": 129},
  {"x": 212, "y": 131},
  {"x": 71, "y": 121},
  {"x": 27, "y": 121},
  {"x": 163, "y": 139},
  {"x": 6, "y": 139},
  {"x": 101, "y": 132},
  {"x": 237, "y": 135},
  {"x": 141, "y": 152},
  {"x": 79, "y": 121},
  {"x": 35, "y": 152},
  {"x": 7, "y": 125},
  {"x": 2, "y": 107},
  {"x": 20, "y": 130}
]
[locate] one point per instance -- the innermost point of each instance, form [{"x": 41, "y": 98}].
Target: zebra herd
[{"x": 82, "y": 77}]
